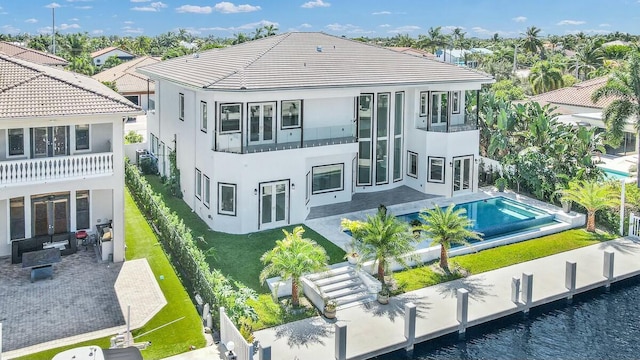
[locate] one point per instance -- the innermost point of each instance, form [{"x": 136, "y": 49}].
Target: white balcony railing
[{"x": 19, "y": 172}]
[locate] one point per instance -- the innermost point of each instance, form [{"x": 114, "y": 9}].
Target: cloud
[
  {"x": 347, "y": 28},
  {"x": 9, "y": 29},
  {"x": 139, "y": 1},
  {"x": 486, "y": 32},
  {"x": 570, "y": 22},
  {"x": 130, "y": 30},
  {"x": 226, "y": 7},
  {"x": 381, "y": 13},
  {"x": 68, "y": 26},
  {"x": 452, "y": 27},
  {"x": 305, "y": 26},
  {"x": 404, "y": 29},
  {"x": 97, "y": 32},
  {"x": 193, "y": 9},
  {"x": 53, "y": 5},
  {"x": 315, "y": 4},
  {"x": 86, "y": 7},
  {"x": 519, "y": 19},
  {"x": 31, "y": 21},
  {"x": 605, "y": 25},
  {"x": 79, "y": 0},
  {"x": 384, "y": 25},
  {"x": 588, "y": 31},
  {"x": 245, "y": 27},
  {"x": 153, "y": 7},
  {"x": 74, "y": 19}
]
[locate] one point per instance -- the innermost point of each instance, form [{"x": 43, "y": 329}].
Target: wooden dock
[{"x": 373, "y": 329}]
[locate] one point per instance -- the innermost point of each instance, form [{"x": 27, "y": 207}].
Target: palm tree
[
  {"x": 545, "y": 77},
  {"x": 532, "y": 41},
  {"x": 591, "y": 195},
  {"x": 588, "y": 59},
  {"x": 270, "y": 30},
  {"x": 436, "y": 39},
  {"x": 624, "y": 86},
  {"x": 291, "y": 258},
  {"x": 445, "y": 228},
  {"x": 381, "y": 238},
  {"x": 458, "y": 38}
]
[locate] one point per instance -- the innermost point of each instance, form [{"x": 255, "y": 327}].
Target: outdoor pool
[
  {"x": 499, "y": 216},
  {"x": 614, "y": 174}
]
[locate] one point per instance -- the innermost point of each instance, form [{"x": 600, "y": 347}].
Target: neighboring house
[
  {"x": 34, "y": 56},
  {"x": 100, "y": 56},
  {"x": 61, "y": 155},
  {"x": 134, "y": 86},
  {"x": 574, "y": 105},
  {"x": 461, "y": 57},
  {"x": 412, "y": 51},
  {"x": 268, "y": 129}
]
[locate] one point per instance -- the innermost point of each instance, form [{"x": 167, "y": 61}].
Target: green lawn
[
  {"x": 499, "y": 257},
  {"x": 229, "y": 249},
  {"x": 169, "y": 340}
]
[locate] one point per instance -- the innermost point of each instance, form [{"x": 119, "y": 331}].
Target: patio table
[{"x": 41, "y": 262}]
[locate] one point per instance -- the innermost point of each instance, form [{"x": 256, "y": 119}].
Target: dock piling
[
  {"x": 341, "y": 342},
  {"x": 410, "y": 326},
  {"x": 462, "y": 311},
  {"x": 527, "y": 291},
  {"x": 570, "y": 279},
  {"x": 515, "y": 289},
  {"x": 607, "y": 270}
]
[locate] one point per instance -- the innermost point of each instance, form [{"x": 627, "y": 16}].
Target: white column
[
  {"x": 118, "y": 190},
  {"x": 72, "y": 210},
  {"x": 28, "y": 214}
]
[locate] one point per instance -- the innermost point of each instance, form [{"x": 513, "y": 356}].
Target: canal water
[{"x": 597, "y": 325}]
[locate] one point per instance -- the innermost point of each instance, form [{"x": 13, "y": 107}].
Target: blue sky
[{"x": 352, "y": 18}]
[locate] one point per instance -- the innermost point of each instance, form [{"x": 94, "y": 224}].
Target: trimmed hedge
[{"x": 188, "y": 260}]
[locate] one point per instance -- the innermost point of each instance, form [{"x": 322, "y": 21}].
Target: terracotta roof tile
[
  {"x": 35, "y": 56},
  {"x": 125, "y": 76},
  {"x": 576, "y": 95}
]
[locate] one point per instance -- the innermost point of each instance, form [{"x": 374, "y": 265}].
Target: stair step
[
  {"x": 329, "y": 273},
  {"x": 336, "y": 279},
  {"x": 336, "y": 294},
  {"x": 354, "y": 281},
  {"x": 354, "y": 300}
]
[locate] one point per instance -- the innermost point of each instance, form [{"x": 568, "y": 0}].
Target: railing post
[
  {"x": 410, "y": 325},
  {"x": 570, "y": 279},
  {"x": 341, "y": 342},
  {"x": 462, "y": 311}
]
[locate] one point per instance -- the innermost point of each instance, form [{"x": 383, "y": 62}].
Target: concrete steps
[{"x": 343, "y": 285}]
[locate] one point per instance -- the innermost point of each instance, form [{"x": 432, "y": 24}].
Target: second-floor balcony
[
  {"x": 287, "y": 139},
  {"x": 39, "y": 170}
]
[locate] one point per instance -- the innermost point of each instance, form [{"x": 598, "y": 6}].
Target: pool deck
[{"x": 373, "y": 329}]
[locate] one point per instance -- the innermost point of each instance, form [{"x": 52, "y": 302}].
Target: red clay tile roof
[
  {"x": 126, "y": 78},
  {"x": 32, "y": 90},
  {"x": 35, "y": 56},
  {"x": 95, "y": 54},
  {"x": 576, "y": 95}
]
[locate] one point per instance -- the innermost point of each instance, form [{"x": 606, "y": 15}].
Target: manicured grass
[
  {"x": 271, "y": 314},
  {"x": 169, "y": 340},
  {"x": 237, "y": 256},
  {"x": 501, "y": 256}
]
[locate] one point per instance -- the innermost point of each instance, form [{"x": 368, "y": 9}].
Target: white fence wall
[
  {"x": 130, "y": 150},
  {"x": 228, "y": 332},
  {"x": 634, "y": 226}
]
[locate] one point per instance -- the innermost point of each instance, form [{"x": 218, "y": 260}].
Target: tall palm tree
[
  {"x": 293, "y": 257},
  {"x": 545, "y": 77},
  {"x": 381, "y": 238},
  {"x": 435, "y": 39},
  {"x": 445, "y": 228},
  {"x": 270, "y": 30},
  {"x": 532, "y": 40},
  {"x": 593, "y": 196},
  {"x": 458, "y": 38},
  {"x": 588, "y": 59},
  {"x": 624, "y": 86}
]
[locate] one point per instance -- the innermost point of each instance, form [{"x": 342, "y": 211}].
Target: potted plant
[
  {"x": 352, "y": 257},
  {"x": 415, "y": 227},
  {"x": 383, "y": 294},
  {"x": 501, "y": 183},
  {"x": 330, "y": 308},
  {"x": 566, "y": 205}
]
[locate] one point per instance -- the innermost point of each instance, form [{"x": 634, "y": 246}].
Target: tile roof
[
  {"x": 32, "y": 90},
  {"x": 97, "y": 53},
  {"x": 35, "y": 56},
  {"x": 412, "y": 51},
  {"x": 576, "y": 95},
  {"x": 306, "y": 60},
  {"x": 126, "y": 78}
]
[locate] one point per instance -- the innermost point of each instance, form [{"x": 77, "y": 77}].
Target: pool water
[
  {"x": 498, "y": 216},
  {"x": 614, "y": 174}
]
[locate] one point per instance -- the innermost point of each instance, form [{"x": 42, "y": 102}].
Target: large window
[
  {"x": 154, "y": 144},
  {"x": 16, "y": 142},
  {"x": 203, "y": 116},
  {"x": 439, "y": 107},
  {"x": 398, "y": 122},
  {"x": 412, "y": 164},
  {"x": 181, "y": 107},
  {"x": 328, "y": 178},
  {"x": 226, "y": 199},
  {"x": 365, "y": 120},
  {"x": 16, "y": 218},
  {"x": 82, "y": 137},
  {"x": 230, "y": 115},
  {"x": 207, "y": 191},
  {"x": 291, "y": 113},
  {"x": 198, "y": 184},
  {"x": 424, "y": 103},
  {"x": 455, "y": 102},
  {"x": 382, "y": 139},
  {"x": 436, "y": 170},
  {"x": 82, "y": 210}
]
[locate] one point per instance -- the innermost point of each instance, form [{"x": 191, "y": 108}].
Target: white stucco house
[
  {"x": 268, "y": 129},
  {"x": 100, "y": 56},
  {"x": 61, "y": 156},
  {"x": 134, "y": 86}
]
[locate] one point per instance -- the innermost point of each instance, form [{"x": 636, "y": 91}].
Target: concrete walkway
[{"x": 374, "y": 329}]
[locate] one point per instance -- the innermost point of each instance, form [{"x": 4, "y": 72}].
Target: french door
[
  {"x": 274, "y": 203},
  {"x": 50, "y": 214},
  {"x": 262, "y": 123},
  {"x": 50, "y": 141},
  {"x": 462, "y": 174}
]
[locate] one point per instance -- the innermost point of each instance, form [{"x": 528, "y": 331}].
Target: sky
[{"x": 351, "y": 18}]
